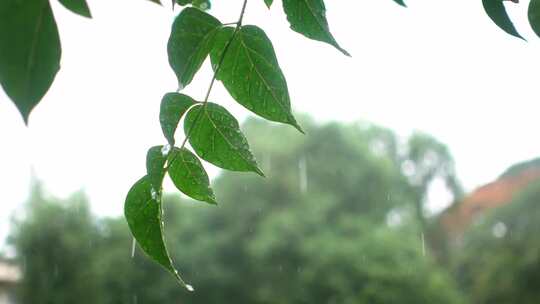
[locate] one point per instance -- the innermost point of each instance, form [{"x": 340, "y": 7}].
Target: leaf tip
[{"x": 259, "y": 172}]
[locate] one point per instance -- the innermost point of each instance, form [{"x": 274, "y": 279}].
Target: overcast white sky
[{"x": 436, "y": 66}]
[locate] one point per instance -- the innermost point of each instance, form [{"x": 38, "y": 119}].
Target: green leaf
[
  {"x": 155, "y": 166},
  {"x": 29, "y": 51},
  {"x": 143, "y": 212},
  {"x": 497, "y": 12},
  {"x": 269, "y": 3},
  {"x": 190, "y": 42},
  {"x": 401, "y": 2},
  {"x": 216, "y": 137},
  {"x": 308, "y": 17},
  {"x": 173, "y": 107},
  {"x": 78, "y": 7},
  {"x": 251, "y": 73},
  {"x": 156, "y": 1},
  {"x": 534, "y": 16},
  {"x": 189, "y": 176}
]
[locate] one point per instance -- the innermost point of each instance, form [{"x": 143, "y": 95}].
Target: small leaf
[
  {"x": 173, "y": 107},
  {"x": 78, "y": 7},
  {"x": 143, "y": 214},
  {"x": 534, "y": 16},
  {"x": 268, "y": 3},
  {"x": 155, "y": 167},
  {"x": 401, "y": 2},
  {"x": 156, "y": 1},
  {"x": 189, "y": 176},
  {"x": 190, "y": 42},
  {"x": 29, "y": 51},
  {"x": 251, "y": 73},
  {"x": 308, "y": 17},
  {"x": 215, "y": 135},
  {"x": 497, "y": 12}
]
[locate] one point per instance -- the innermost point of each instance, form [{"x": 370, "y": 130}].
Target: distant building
[
  {"x": 459, "y": 217},
  {"x": 9, "y": 277}
]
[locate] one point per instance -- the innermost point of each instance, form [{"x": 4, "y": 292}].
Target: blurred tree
[
  {"x": 315, "y": 231},
  {"x": 500, "y": 261},
  {"x": 333, "y": 223},
  {"x": 425, "y": 160},
  {"x": 54, "y": 244}
]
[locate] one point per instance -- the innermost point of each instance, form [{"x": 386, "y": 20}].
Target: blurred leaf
[
  {"x": 155, "y": 167},
  {"x": 173, "y": 107},
  {"x": 401, "y": 2},
  {"x": 79, "y": 7},
  {"x": 190, "y": 42},
  {"x": 251, "y": 73},
  {"x": 308, "y": 17},
  {"x": 534, "y": 16},
  {"x": 497, "y": 12},
  {"x": 143, "y": 214},
  {"x": 216, "y": 137},
  {"x": 189, "y": 176},
  {"x": 156, "y": 1},
  {"x": 269, "y": 3},
  {"x": 29, "y": 51}
]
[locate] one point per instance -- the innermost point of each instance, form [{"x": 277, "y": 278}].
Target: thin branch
[{"x": 218, "y": 68}]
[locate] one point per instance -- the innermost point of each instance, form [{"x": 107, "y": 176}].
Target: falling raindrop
[
  {"x": 133, "y": 248},
  {"x": 302, "y": 169},
  {"x": 423, "y": 245},
  {"x": 189, "y": 287},
  {"x": 165, "y": 150}
]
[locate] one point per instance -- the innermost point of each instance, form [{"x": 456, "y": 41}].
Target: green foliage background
[{"x": 276, "y": 240}]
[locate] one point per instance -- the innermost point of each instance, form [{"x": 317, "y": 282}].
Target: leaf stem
[{"x": 218, "y": 68}]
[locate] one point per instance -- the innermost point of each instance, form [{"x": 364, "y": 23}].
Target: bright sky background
[{"x": 440, "y": 67}]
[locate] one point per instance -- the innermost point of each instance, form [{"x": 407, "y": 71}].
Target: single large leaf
[
  {"x": 534, "y": 16},
  {"x": 251, "y": 73},
  {"x": 155, "y": 167},
  {"x": 143, "y": 214},
  {"x": 29, "y": 51},
  {"x": 173, "y": 107},
  {"x": 190, "y": 42},
  {"x": 497, "y": 12},
  {"x": 216, "y": 137},
  {"x": 189, "y": 176},
  {"x": 78, "y": 7},
  {"x": 308, "y": 17}
]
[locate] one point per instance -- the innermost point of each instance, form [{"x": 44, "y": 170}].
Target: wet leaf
[
  {"x": 189, "y": 176},
  {"x": 308, "y": 17},
  {"x": 173, "y": 107},
  {"x": 251, "y": 73},
  {"x": 79, "y": 7},
  {"x": 29, "y": 51},
  {"x": 216, "y": 137},
  {"x": 143, "y": 214},
  {"x": 190, "y": 42},
  {"x": 497, "y": 12},
  {"x": 155, "y": 167}
]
